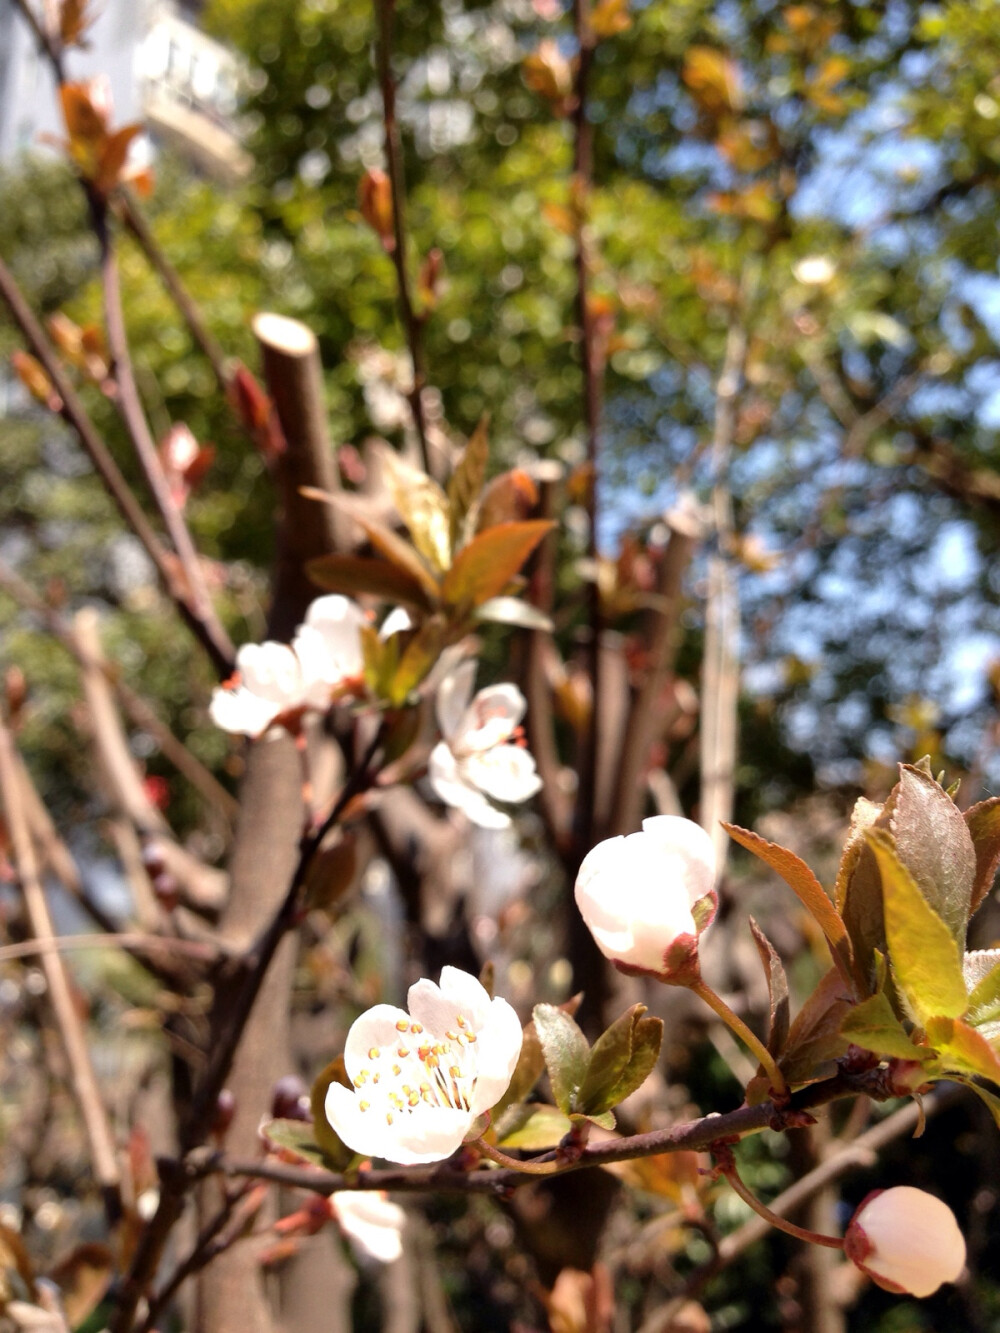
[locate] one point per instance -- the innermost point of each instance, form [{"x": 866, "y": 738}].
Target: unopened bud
[
  {"x": 290, "y": 1099},
  {"x": 375, "y": 201},
  {"x": 225, "y": 1109},
  {"x": 167, "y": 890},
  {"x": 906, "y": 1241}
]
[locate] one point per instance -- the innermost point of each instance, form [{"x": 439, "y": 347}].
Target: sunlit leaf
[
  {"x": 874, "y": 1026},
  {"x": 777, "y": 990},
  {"x": 422, "y": 505},
  {"x": 962, "y": 1050},
  {"x": 925, "y": 960},
  {"x": 983, "y": 821},
  {"x": 620, "y": 1061},
  {"x": 484, "y": 567},
  {"x": 933, "y": 842},
  {"x": 359, "y": 575},
  {"x": 566, "y": 1053},
  {"x": 468, "y": 479},
  {"x": 534, "y": 1127},
  {"x": 807, "y": 888}
]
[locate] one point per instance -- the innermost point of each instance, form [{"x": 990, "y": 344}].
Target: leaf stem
[{"x": 733, "y": 1021}]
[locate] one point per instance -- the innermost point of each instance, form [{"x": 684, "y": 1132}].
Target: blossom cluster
[{"x": 277, "y": 682}]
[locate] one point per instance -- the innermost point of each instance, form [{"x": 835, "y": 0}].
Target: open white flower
[
  {"x": 476, "y": 764},
  {"x": 422, "y": 1078},
  {"x": 647, "y": 897},
  {"x": 372, "y": 1225},
  {"x": 274, "y": 680},
  {"x": 906, "y": 1240}
]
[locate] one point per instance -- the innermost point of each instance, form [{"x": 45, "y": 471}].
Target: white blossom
[
  {"x": 372, "y": 1225},
  {"x": 906, "y": 1240},
  {"x": 421, "y": 1079},
  {"x": 476, "y": 763},
  {"x": 275, "y": 681},
  {"x": 647, "y": 897}
]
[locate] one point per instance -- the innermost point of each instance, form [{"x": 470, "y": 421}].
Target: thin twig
[
  {"x": 85, "y": 1089},
  {"x": 71, "y": 409},
  {"x": 694, "y": 1136},
  {"x": 141, "y": 713},
  {"x": 139, "y": 941},
  {"x": 134, "y": 418},
  {"x": 720, "y": 672},
  {"x": 394, "y": 166},
  {"x": 592, "y": 370}
]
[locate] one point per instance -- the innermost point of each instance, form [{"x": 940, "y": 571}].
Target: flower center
[{"x": 420, "y": 1069}]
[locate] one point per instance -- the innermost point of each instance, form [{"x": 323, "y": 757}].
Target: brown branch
[
  {"x": 539, "y": 721},
  {"x": 134, "y": 418},
  {"x": 72, "y": 411},
  {"x": 202, "y": 886},
  {"x": 645, "y": 716},
  {"x": 294, "y": 376},
  {"x": 243, "y": 989},
  {"x": 141, "y": 713},
  {"x": 592, "y": 371},
  {"x": 720, "y": 670},
  {"x": 394, "y": 166},
  {"x": 84, "y": 1082},
  {"x": 692, "y": 1136}
]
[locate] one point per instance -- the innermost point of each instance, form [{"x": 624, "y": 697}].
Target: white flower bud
[
  {"x": 906, "y": 1240},
  {"x": 647, "y": 897}
]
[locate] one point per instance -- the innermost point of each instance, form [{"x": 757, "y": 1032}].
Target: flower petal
[
  {"x": 446, "y": 779},
  {"x": 505, "y": 772},
  {"x": 490, "y": 719},
  {"x": 271, "y": 670},
  {"x": 372, "y": 1224},
  {"x": 453, "y": 696},
  {"x": 240, "y": 712},
  {"x": 499, "y": 1044},
  {"x": 374, "y": 1029}
]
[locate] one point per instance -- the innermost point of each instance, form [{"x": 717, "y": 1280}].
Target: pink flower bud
[
  {"x": 647, "y": 897},
  {"x": 906, "y": 1241}
]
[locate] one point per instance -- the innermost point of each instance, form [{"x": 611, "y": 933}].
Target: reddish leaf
[
  {"x": 356, "y": 575},
  {"x": 815, "y": 1038},
  {"x": 983, "y": 821},
  {"x": 483, "y": 569},
  {"x": 807, "y": 888},
  {"x": 777, "y": 990}
]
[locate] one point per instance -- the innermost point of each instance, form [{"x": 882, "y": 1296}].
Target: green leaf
[
  {"x": 923, "y": 954},
  {"x": 363, "y": 575},
  {"x": 419, "y": 656},
  {"x": 297, "y": 1137},
  {"x": 533, "y": 1126},
  {"x": 483, "y": 569},
  {"x": 566, "y": 1053},
  {"x": 983, "y": 822},
  {"x": 982, "y": 976},
  {"x": 620, "y": 1061},
  {"x": 933, "y": 841},
  {"x": 603, "y": 1120},
  {"x": 513, "y": 611},
  {"x": 777, "y": 990},
  {"x": 807, "y": 888},
  {"x": 874, "y": 1026},
  {"x": 422, "y": 505},
  {"x": 962, "y": 1050},
  {"x": 815, "y": 1038},
  {"x": 334, "y": 1149},
  {"x": 467, "y": 480}
]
